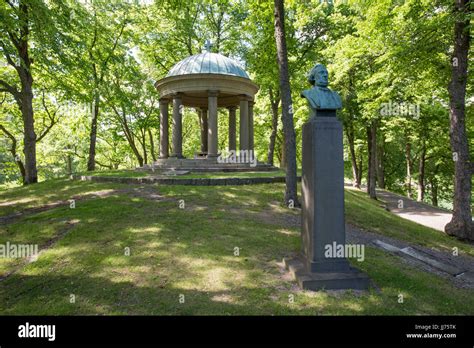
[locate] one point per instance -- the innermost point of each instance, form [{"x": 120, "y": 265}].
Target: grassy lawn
[
  {"x": 189, "y": 254},
  {"x": 24, "y": 197}
]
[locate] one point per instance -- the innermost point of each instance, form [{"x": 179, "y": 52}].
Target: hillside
[{"x": 146, "y": 249}]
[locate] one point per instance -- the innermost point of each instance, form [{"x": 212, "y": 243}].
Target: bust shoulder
[{"x": 322, "y": 98}]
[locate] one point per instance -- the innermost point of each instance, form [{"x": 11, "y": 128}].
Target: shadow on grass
[
  {"x": 191, "y": 252},
  {"x": 51, "y": 295}
]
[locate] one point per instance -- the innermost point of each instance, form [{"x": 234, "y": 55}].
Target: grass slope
[{"x": 190, "y": 251}]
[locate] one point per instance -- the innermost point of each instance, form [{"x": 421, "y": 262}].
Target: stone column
[
  {"x": 251, "y": 102},
  {"x": 164, "y": 142},
  {"x": 204, "y": 129},
  {"x": 232, "y": 129},
  {"x": 177, "y": 126},
  {"x": 244, "y": 124},
  {"x": 212, "y": 124}
]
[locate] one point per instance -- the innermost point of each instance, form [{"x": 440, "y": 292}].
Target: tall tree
[
  {"x": 291, "y": 193},
  {"x": 461, "y": 224},
  {"x": 18, "y": 32},
  {"x": 274, "y": 103},
  {"x": 30, "y": 35},
  {"x": 102, "y": 38},
  {"x": 372, "y": 151}
]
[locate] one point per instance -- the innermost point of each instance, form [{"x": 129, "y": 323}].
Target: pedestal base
[{"x": 350, "y": 279}]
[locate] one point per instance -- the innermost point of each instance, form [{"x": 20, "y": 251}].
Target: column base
[
  {"x": 349, "y": 279},
  {"x": 177, "y": 156},
  {"x": 326, "y": 265}
]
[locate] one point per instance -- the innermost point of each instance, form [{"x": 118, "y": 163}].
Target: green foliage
[{"x": 377, "y": 52}]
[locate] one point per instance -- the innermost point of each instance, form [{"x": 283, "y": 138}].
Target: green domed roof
[{"x": 208, "y": 63}]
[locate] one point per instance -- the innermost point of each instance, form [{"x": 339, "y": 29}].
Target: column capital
[
  {"x": 244, "y": 97},
  {"x": 177, "y": 95},
  {"x": 164, "y": 100},
  {"x": 232, "y": 108},
  {"x": 212, "y": 93}
]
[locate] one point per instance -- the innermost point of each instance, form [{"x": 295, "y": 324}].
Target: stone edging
[{"x": 182, "y": 181}]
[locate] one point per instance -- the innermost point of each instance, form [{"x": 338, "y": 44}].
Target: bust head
[
  {"x": 320, "y": 97},
  {"x": 318, "y": 76}
]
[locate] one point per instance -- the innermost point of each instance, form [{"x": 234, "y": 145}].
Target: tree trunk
[
  {"x": 132, "y": 144},
  {"x": 26, "y": 98},
  {"x": 380, "y": 159},
  {"x": 409, "y": 164},
  {"x": 350, "y": 141},
  {"x": 461, "y": 224},
  {"x": 421, "y": 173},
  {"x": 152, "y": 145},
  {"x": 274, "y": 102},
  {"x": 291, "y": 194},
  {"x": 361, "y": 169},
  {"x": 372, "y": 148},
  {"x": 282, "y": 152},
  {"x": 21, "y": 168},
  {"x": 434, "y": 191},
  {"x": 69, "y": 164},
  {"x": 13, "y": 151},
  {"x": 143, "y": 142},
  {"x": 135, "y": 152},
  {"x": 29, "y": 140},
  {"x": 98, "y": 78},
  {"x": 129, "y": 135},
  {"x": 93, "y": 133}
]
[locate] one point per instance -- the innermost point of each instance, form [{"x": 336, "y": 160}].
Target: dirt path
[
  {"x": 418, "y": 212},
  {"x": 457, "y": 268},
  {"x": 421, "y": 213}
]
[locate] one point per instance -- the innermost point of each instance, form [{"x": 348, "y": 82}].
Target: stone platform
[
  {"x": 160, "y": 180},
  {"x": 205, "y": 165}
]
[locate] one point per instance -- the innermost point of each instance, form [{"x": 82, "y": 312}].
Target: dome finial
[{"x": 208, "y": 45}]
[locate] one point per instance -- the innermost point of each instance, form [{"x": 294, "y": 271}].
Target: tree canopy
[{"x": 76, "y": 84}]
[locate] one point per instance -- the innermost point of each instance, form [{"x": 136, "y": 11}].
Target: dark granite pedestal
[{"x": 323, "y": 209}]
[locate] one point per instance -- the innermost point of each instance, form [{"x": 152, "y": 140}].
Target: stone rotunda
[{"x": 205, "y": 82}]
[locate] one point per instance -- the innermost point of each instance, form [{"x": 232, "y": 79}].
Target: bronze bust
[{"x": 320, "y": 97}]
